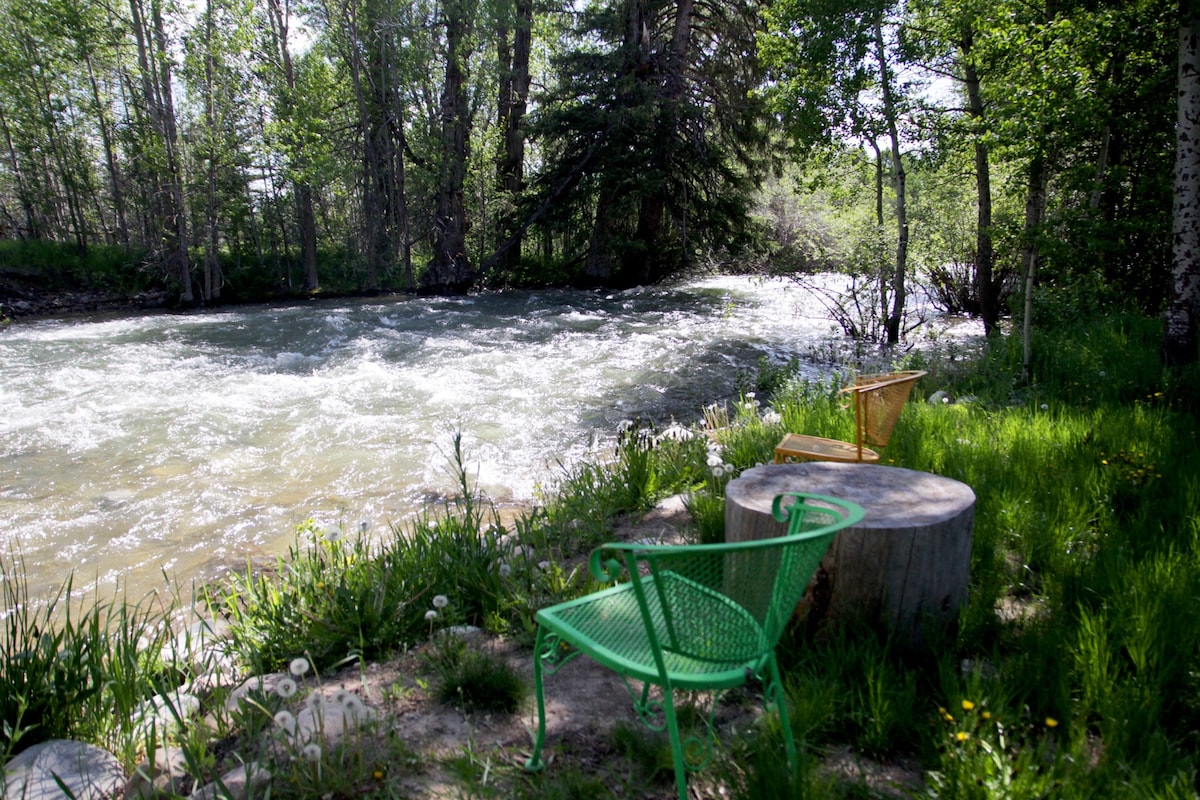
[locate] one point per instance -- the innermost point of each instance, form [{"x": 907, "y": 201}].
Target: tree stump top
[
  {"x": 893, "y": 497},
  {"x": 904, "y": 567}
]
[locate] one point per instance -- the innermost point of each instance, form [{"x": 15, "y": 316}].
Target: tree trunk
[
  {"x": 511, "y": 108},
  {"x": 1183, "y": 313},
  {"x": 302, "y": 191},
  {"x": 160, "y": 109},
  {"x": 899, "y": 179},
  {"x": 1035, "y": 205},
  {"x": 986, "y": 289},
  {"x": 110, "y": 158},
  {"x": 450, "y": 271},
  {"x": 32, "y": 227}
]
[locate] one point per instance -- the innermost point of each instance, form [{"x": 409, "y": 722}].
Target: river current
[{"x": 182, "y": 444}]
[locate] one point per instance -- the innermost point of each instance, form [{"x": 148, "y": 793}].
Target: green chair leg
[
  {"x": 535, "y": 764},
  {"x": 676, "y": 742},
  {"x": 774, "y": 692}
]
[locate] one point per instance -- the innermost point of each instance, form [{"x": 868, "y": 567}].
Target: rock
[
  {"x": 237, "y": 784},
  {"x": 259, "y": 684},
  {"x": 331, "y": 719},
  {"x": 165, "y": 713},
  {"x": 163, "y": 776},
  {"x": 85, "y": 771},
  {"x": 937, "y": 398}
]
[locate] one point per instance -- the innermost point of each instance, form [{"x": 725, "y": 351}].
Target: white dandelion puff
[
  {"x": 311, "y": 752},
  {"x": 286, "y": 688},
  {"x": 430, "y": 615},
  {"x": 504, "y": 569},
  {"x": 315, "y": 701},
  {"x": 714, "y": 460},
  {"x": 440, "y": 601},
  {"x": 285, "y": 721},
  {"x": 299, "y": 667}
]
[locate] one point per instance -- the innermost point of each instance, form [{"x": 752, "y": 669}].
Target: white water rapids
[{"x": 186, "y": 443}]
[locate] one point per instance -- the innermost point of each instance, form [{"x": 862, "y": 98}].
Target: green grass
[{"x": 1072, "y": 671}]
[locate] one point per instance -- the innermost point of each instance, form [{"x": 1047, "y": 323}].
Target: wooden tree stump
[{"x": 904, "y": 567}]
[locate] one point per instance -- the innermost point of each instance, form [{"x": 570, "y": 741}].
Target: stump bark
[{"x": 904, "y": 568}]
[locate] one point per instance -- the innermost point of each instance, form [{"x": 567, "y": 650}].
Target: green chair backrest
[{"x": 761, "y": 580}]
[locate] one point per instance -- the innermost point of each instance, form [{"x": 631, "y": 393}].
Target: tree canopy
[{"x": 235, "y": 149}]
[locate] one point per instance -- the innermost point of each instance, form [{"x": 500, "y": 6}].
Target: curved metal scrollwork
[
  {"x": 555, "y": 653},
  {"x": 698, "y": 751}
]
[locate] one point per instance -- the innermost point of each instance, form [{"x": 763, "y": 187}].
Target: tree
[
  {"x": 450, "y": 270},
  {"x": 1180, "y": 337},
  {"x": 833, "y": 77},
  {"x": 279, "y": 14},
  {"x": 156, "y": 104},
  {"x": 652, "y": 136}
]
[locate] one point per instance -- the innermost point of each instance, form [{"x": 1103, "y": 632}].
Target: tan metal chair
[{"x": 878, "y": 401}]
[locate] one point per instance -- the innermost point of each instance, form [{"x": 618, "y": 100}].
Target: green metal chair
[{"x": 694, "y": 617}]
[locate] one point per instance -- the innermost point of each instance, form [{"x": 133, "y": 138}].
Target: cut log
[{"x": 903, "y": 568}]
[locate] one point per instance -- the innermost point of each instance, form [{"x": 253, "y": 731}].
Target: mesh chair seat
[{"x": 608, "y": 625}]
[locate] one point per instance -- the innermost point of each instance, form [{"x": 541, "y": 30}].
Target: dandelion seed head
[
  {"x": 311, "y": 752},
  {"x": 299, "y": 667},
  {"x": 314, "y": 701},
  {"x": 285, "y": 721},
  {"x": 504, "y": 569},
  {"x": 440, "y": 601},
  {"x": 286, "y": 688},
  {"x": 430, "y": 615}
]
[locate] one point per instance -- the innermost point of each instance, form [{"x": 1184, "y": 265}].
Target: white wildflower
[
  {"x": 363, "y": 526},
  {"x": 299, "y": 667},
  {"x": 718, "y": 470},
  {"x": 285, "y": 721},
  {"x": 286, "y": 688},
  {"x": 315, "y": 701},
  {"x": 714, "y": 460},
  {"x": 543, "y": 565},
  {"x": 430, "y": 615},
  {"x": 504, "y": 569},
  {"x": 772, "y": 417},
  {"x": 1045, "y": 407},
  {"x": 440, "y": 601},
  {"x": 354, "y": 708},
  {"x": 331, "y": 535},
  {"x": 311, "y": 752}
]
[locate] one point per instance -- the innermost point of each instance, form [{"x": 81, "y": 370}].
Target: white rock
[
  {"x": 165, "y": 713},
  {"x": 88, "y": 772},
  {"x": 164, "y": 776},
  {"x": 236, "y": 784}
]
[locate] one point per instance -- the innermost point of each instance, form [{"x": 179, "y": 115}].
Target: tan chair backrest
[{"x": 878, "y": 401}]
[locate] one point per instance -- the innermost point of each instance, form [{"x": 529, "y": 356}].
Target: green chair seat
[
  {"x": 608, "y": 626},
  {"x": 693, "y": 617}
]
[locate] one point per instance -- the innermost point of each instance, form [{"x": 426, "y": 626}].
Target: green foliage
[
  {"x": 71, "y": 670},
  {"x": 54, "y": 266},
  {"x": 474, "y": 679}
]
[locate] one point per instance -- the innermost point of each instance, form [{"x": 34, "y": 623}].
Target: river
[{"x": 182, "y": 444}]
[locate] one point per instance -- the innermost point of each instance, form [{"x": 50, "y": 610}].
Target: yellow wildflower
[
  {"x": 1051, "y": 722},
  {"x": 967, "y": 705},
  {"x": 961, "y": 736}
]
